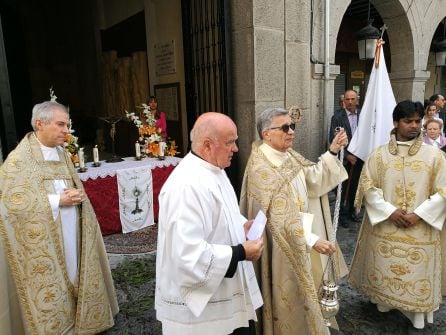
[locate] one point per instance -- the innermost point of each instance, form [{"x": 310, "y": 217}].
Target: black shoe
[
  {"x": 343, "y": 221},
  {"x": 354, "y": 217},
  {"x": 344, "y": 210}
]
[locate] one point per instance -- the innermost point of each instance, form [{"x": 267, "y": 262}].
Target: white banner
[
  {"x": 375, "y": 121},
  {"x": 135, "y": 198}
]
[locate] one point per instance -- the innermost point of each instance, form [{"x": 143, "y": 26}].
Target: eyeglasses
[{"x": 285, "y": 127}]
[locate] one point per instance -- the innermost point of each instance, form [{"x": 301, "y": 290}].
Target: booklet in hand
[{"x": 258, "y": 226}]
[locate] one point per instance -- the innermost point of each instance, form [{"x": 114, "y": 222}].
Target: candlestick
[
  {"x": 82, "y": 167},
  {"x": 138, "y": 150},
  {"x": 96, "y": 154},
  {"x": 161, "y": 146},
  {"x": 96, "y": 162},
  {"x": 81, "y": 158},
  {"x": 161, "y": 149}
]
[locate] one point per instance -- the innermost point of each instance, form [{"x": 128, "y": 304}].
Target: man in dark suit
[
  {"x": 347, "y": 118},
  {"x": 341, "y": 103}
]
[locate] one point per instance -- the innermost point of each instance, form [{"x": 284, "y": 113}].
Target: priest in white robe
[
  {"x": 205, "y": 281},
  {"x": 291, "y": 191},
  {"x": 398, "y": 260}
]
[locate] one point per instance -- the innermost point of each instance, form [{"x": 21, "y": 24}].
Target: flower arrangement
[
  {"x": 72, "y": 146},
  {"x": 150, "y": 135},
  {"x": 171, "y": 148},
  {"x": 70, "y": 143}
]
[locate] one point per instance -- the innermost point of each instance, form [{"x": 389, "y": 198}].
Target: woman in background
[
  {"x": 429, "y": 114},
  {"x": 160, "y": 117},
  {"x": 434, "y": 135}
]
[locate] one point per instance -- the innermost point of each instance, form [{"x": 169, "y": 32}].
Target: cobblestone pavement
[{"x": 134, "y": 281}]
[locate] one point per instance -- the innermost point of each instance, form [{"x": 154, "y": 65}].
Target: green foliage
[
  {"x": 134, "y": 272},
  {"x": 137, "y": 307},
  {"x": 135, "y": 283}
]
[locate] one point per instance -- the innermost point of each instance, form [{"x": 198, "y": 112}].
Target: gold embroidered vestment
[
  {"x": 401, "y": 267},
  {"x": 284, "y": 271},
  {"x": 32, "y": 256}
]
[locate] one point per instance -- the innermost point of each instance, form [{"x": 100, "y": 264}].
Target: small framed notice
[{"x": 168, "y": 96}]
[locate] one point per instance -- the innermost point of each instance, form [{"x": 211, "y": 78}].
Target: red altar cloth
[{"x": 103, "y": 195}]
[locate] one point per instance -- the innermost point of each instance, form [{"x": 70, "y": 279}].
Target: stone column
[
  {"x": 298, "y": 71},
  {"x": 409, "y": 84},
  {"x": 324, "y": 120},
  {"x": 271, "y": 66},
  {"x": 258, "y": 65}
]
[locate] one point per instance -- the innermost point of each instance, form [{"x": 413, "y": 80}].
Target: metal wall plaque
[{"x": 164, "y": 58}]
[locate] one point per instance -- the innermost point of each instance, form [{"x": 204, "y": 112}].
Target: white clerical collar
[
  {"x": 205, "y": 163},
  {"x": 45, "y": 148},
  {"x": 49, "y": 153},
  {"x": 408, "y": 143},
  {"x": 276, "y": 157}
]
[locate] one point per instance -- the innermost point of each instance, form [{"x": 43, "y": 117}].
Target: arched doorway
[{"x": 355, "y": 73}]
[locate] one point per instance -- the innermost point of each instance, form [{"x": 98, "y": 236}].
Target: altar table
[{"x": 101, "y": 186}]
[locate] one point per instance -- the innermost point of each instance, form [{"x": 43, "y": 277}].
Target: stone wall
[{"x": 278, "y": 54}]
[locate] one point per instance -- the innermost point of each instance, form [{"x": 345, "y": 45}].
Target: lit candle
[
  {"x": 96, "y": 154},
  {"x": 138, "y": 149},
  {"x": 161, "y": 149},
  {"x": 81, "y": 158}
]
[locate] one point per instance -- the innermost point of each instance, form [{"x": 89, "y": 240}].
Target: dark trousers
[
  {"x": 350, "y": 186},
  {"x": 251, "y": 330}
]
